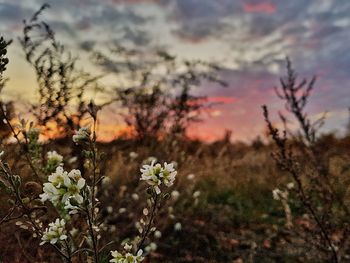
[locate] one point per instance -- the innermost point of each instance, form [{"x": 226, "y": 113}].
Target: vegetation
[{"x": 158, "y": 196}]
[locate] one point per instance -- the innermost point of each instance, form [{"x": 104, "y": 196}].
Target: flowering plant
[{"x": 73, "y": 195}]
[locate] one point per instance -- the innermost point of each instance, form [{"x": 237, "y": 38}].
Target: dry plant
[
  {"x": 158, "y": 89},
  {"x": 50, "y": 191},
  {"x": 321, "y": 193},
  {"x": 63, "y": 89}
]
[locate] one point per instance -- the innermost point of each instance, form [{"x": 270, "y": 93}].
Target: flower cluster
[
  {"x": 54, "y": 157},
  {"x": 126, "y": 258},
  {"x": 82, "y": 135},
  {"x": 63, "y": 187},
  {"x": 156, "y": 174},
  {"x": 56, "y": 232},
  {"x": 53, "y": 160}
]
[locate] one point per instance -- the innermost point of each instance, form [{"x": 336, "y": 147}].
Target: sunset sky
[{"x": 249, "y": 38}]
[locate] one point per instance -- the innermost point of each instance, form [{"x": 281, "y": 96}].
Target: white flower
[
  {"x": 150, "y": 160},
  {"x": 64, "y": 187},
  {"x": 155, "y": 175},
  {"x": 106, "y": 181},
  {"x": 135, "y": 197},
  {"x": 175, "y": 164},
  {"x": 73, "y": 209},
  {"x": 151, "y": 247},
  {"x": 56, "y": 232},
  {"x": 169, "y": 174},
  {"x": 109, "y": 209},
  {"x": 196, "y": 194},
  {"x": 82, "y": 135},
  {"x": 126, "y": 258},
  {"x": 54, "y": 157},
  {"x": 178, "y": 226},
  {"x": 277, "y": 194},
  {"x": 157, "y": 234},
  {"x": 190, "y": 177},
  {"x": 127, "y": 247},
  {"x": 122, "y": 210},
  {"x": 175, "y": 195},
  {"x": 50, "y": 193},
  {"x": 133, "y": 155},
  {"x": 145, "y": 211},
  {"x": 290, "y": 185},
  {"x": 73, "y": 160},
  {"x": 54, "y": 160},
  {"x": 73, "y": 189}
]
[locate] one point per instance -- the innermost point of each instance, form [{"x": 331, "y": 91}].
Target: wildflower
[
  {"x": 290, "y": 185},
  {"x": 54, "y": 157},
  {"x": 63, "y": 187},
  {"x": 190, "y": 177},
  {"x": 276, "y": 194},
  {"x": 133, "y": 155},
  {"x": 82, "y": 135},
  {"x": 106, "y": 181},
  {"x": 157, "y": 234},
  {"x": 127, "y": 258},
  {"x": 150, "y": 160},
  {"x": 175, "y": 195},
  {"x": 175, "y": 164},
  {"x": 178, "y": 226},
  {"x": 122, "y": 210},
  {"x": 73, "y": 209},
  {"x": 54, "y": 160},
  {"x": 109, "y": 209},
  {"x": 56, "y": 232},
  {"x": 151, "y": 247},
  {"x": 283, "y": 197},
  {"x": 138, "y": 226},
  {"x": 135, "y": 197},
  {"x": 127, "y": 247},
  {"x": 196, "y": 194},
  {"x": 155, "y": 175}
]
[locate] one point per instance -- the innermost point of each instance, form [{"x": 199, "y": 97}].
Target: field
[{"x": 233, "y": 219}]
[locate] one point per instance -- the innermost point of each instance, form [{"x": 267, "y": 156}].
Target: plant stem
[{"x": 145, "y": 233}]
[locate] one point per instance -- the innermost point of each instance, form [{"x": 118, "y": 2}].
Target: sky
[{"x": 248, "y": 38}]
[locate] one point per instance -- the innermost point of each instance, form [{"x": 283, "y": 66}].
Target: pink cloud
[
  {"x": 262, "y": 7},
  {"x": 222, "y": 99}
]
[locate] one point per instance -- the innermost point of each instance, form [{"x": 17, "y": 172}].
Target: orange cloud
[
  {"x": 263, "y": 7},
  {"x": 222, "y": 99}
]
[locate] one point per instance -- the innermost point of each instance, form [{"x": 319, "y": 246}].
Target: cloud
[
  {"x": 249, "y": 37},
  {"x": 262, "y": 7},
  {"x": 221, "y": 99}
]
